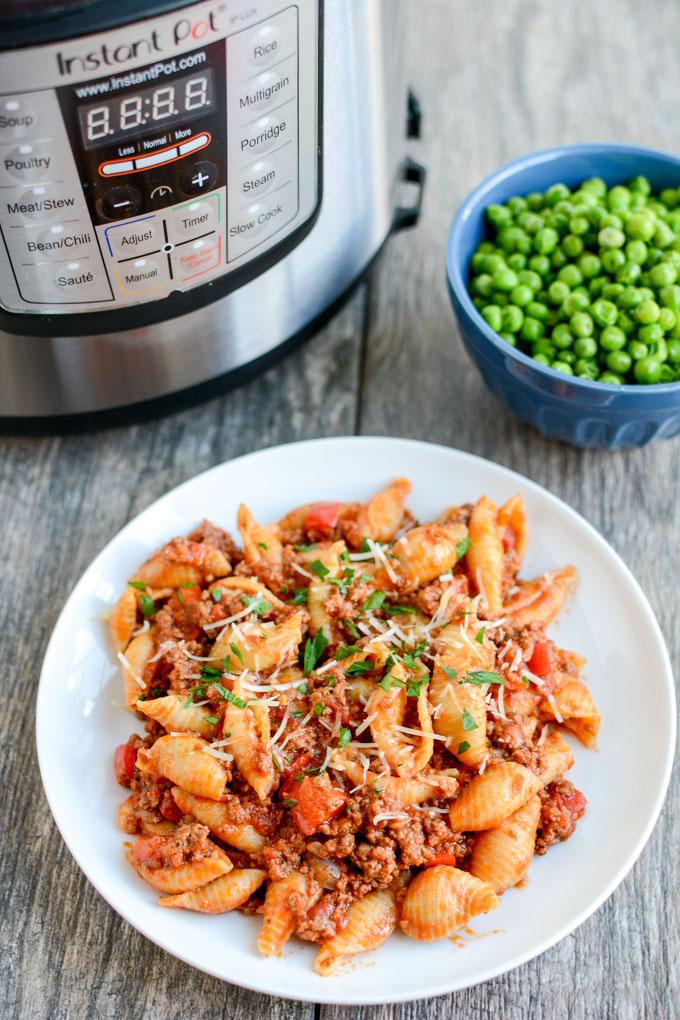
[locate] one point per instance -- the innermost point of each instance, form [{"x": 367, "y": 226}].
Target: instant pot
[{"x": 184, "y": 195}]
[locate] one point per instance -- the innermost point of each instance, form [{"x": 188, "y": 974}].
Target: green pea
[
  {"x": 540, "y": 264},
  {"x": 647, "y": 370},
  {"x": 572, "y": 246},
  {"x": 637, "y": 202},
  {"x": 673, "y": 256},
  {"x": 530, "y": 278},
  {"x": 581, "y": 324},
  {"x": 663, "y": 274},
  {"x": 604, "y": 312},
  {"x": 571, "y": 275},
  {"x": 613, "y": 259},
  {"x": 670, "y": 197},
  {"x": 538, "y": 310},
  {"x": 612, "y": 338},
  {"x": 579, "y": 225},
  {"x": 562, "y": 337},
  {"x": 640, "y": 184},
  {"x": 477, "y": 261},
  {"x": 629, "y": 273},
  {"x": 663, "y": 235},
  {"x": 535, "y": 200},
  {"x": 522, "y": 295},
  {"x": 499, "y": 298},
  {"x": 596, "y": 285},
  {"x": 654, "y": 255},
  {"x": 542, "y": 359},
  {"x": 646, "y": 294},
  {"x": 514, "y": 239},
  {"x": 493, "y": 314},
  {"x": 558, "y": 291},
  {"x": 517, "y": 261},
  {"x": 636, "y": 251},
  {"x": 556, "y": 193},
  {"x": 667, "y": 319},
  {"x": 626, "y": 324},
  {"x": 651, "y": 333},
  {"x": 558, "y": 259},
  {"x": 532, "y": 329},
  {"x": 596, "y": 185},
  {"x": 637, "y": 350},
  {"x": 493, "y": 262},
  {"x": 512, "y": 319},
  {"x": 589, "y": 264},
  {"x": 504, "y": 279},
  {"x": 630, "y": 297},
  {"x": 619, "y": 361},
  {"x": 674, "y": 351},
  {"x": 647, "y": 312},
  {"x": 585, "y": 346},
  {"x": 640, "y": 226},
  {"x": 611, "y": 237},
  {"x": 612, "y": 291},
  {"x": 611, "y": 377},
  {"x": 482, "y": 285},
  {"x": 546, "y": 240},
  {"x": 509, "y": 339},
  {"x": 531, "y": 222},
  {"x": 587, "y": 369},
  {"x": 576, "y": 302},
  {"x": 499, "y": 215},
  {"x": 562, "y": 366},
  {"x": 516, "y": 204}
]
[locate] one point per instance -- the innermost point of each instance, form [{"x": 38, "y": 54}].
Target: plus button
[{"x": 199, "y": 178}]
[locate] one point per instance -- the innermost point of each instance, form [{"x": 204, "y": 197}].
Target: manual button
[
  {"x": 142, "y": 276},
  {"x": 134, "y": 237}
]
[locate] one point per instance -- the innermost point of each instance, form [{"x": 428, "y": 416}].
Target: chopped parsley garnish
[
  {"x": 317, "y": 567},
  {"x": 344, "y": 737},
  {"x": 263, "y": 545},
  {"x": 289, "y": 802},
  {"x": 374, "y": 601},
  {"x": 237, "y": 652},
  {"x": 463, "y": 747},
  {"x": 147, "y": 604},
  {"x": 386, "y": 683},
  {"x": 157, "y": 692},
  {"x": 300, "y": 596},
  {"x": 303, "y": 690},
  {"x": 344, "y": 583},
  {"x": 365, "y": 547},
  {"x": 217, "y": 594},
  {"x": 305, "y": 548},
  {"x": 224, "y": 692},
  {"x": 332, "y": 682},
  {"x": 398, "y": 610},
  {"x": 479, "y": 636},
  {"x": 296, "y": 714},
  {"x": 414, "y": 687},
  {"x": 469, "y": 723},
  {"x": 283, "y": 590},
  {"x": 318, "y": 709},
  {"x": 359, "y": 668},
  {"x": 410, "y": 658},
  {"x": 352, "y": 628},
  {"x": 462, "y": 547},
  {"x": 212, "y": 719},
  {"x": 256, "y": 605},
  {"x": 180, "y": 598},
  {"x": 139, "y": 585},
  {"x": 480, "y": 677},
  {"x": 450, "y": 671},
  {"x": 313, "y": 651},
  {"x": 525, "y": 680},
  {"x": 344, "y": 651}
]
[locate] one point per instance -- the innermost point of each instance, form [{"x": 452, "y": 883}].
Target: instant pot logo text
[{"x": 184, "y": 30}]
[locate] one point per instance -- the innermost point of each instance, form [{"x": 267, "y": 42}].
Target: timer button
[
  {"x": 264, "y": 46},
  {"x": 199, "y": 178},
  {"x": 193, "y": 219},
  {"x": 16, "y": 119},
  {"x": 120, "y": 202},
  {"x": 27, "y": 163}
]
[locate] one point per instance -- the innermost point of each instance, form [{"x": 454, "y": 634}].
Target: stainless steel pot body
[{"x": 361, "y": 96}]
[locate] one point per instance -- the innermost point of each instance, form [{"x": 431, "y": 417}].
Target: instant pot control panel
[{"x": 144, "y": 162}]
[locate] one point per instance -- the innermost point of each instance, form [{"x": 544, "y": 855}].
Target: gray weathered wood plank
[{"x": 64, "y": 954}]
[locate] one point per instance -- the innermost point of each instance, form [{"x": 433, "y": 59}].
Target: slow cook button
[
  {"x": 134, "y": 237},
  {"x": 262, "y": 135},
  {"x": 258, "y": 178},
  {"x": 196, "y": 218},
  {"x": 257, "y": 219},
  {"x": 196, "y": 258},
  {"x": 142, "y": 276},
  {"x": 27, "y": 163},
  {"x": 17, "y": 119},
  {"x": 79, "y": 282}
]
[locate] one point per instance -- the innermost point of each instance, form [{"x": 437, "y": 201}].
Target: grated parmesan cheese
[
  {"x": 417, "y": 733},
  {"x": 388, "y": 816},
  {"x": 305, "y": 573},
  {"x": 135, "y": 676},
  {"x": 365, "y": 724},
  {"x": 555, "y": 710}
]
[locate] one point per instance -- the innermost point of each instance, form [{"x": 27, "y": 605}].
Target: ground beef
[
  {"x": 211, "y": 534},
  {"x": 148, "y": 790},
  {"x": 284, "y": 854},
  {"x": 188, "y": 842},
  {"x": 429, "y": 598},
  {"x": 376, "y": 861},
  {"x": 561, "y": 807}
]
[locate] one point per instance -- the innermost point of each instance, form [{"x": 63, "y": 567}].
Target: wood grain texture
[{"x": 495, "y": 79}]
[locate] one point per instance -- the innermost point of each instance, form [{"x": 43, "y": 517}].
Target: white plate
[{"x": 610, "y": 623}]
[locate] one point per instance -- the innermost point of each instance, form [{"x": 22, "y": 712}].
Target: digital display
[{"x": 157, "y": 106}]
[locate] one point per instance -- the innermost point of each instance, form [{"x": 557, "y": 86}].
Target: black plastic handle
[{"x": 408, "y": 215}]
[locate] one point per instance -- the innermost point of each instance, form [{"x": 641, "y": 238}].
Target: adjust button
[
  {"x": 134, "y": 237},
  {"x": 17, "y": 119}
]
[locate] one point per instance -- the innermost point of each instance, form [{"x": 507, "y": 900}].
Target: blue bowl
[{"x": 561, "y": 407}]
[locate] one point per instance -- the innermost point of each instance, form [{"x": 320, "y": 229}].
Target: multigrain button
[
  {"x": 263, "y": 134},
  {"x": 27, "y": 162},
  {"x": 264, "y": 45},
  {"x": 135, "y": 237},
  {"x": 17, "y": 119},
  {"x": 264, "y": 90}
]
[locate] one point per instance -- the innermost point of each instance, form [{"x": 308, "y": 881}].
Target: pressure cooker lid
[{"x": 32, "y": 22}]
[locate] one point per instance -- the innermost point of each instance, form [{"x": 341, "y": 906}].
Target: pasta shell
[
  {"x": 251, "y": 587},
  {"x": 461, "y": 708},
  {"x": 368, "y": 922},
  {"x": 501, "y": 857},
  {"x": 380, "y": 518},
  {"x": 222, "y": 894},
  {"x": 123, "y": 620},
  {"x": 185, "y": 878},
  {"x": 263, "y": 649},
  {"x": 401, "y": 792},
  {"x": 557, "y": 758},
  {"x": 485, "y": 555},
  {"x": 425, "y": 552},
  {"x": 489, "y": 799},
  {"x": 577, "y": 708},
  {"x": 251, "y": 741},
  {"x": 183, "y": 562},
  {"x": 319, "y": 590},
  {"x": 259, "y": 543},
  {"x": 184, "y": 762},
  {"x": 136, "y": 659},
  {"x": 216, "y": 816},
  {"x": 286, "y": 900},
  {"x": 511, "y": 515},
  {"x": 173, "y": 713},
  {"x": 440, "y": 900},
  {"x": 540, "y": 600},
  {"x": 133, "y": 820}
]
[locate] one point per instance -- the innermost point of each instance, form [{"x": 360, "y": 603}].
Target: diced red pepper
[
  {"x": 323, "y": 518},
  {"x": 509, "y": 538},
  {"x": 124, "y": 758},
  {"x": 448, "y": 859},
  {"x": 575, "y": 803},
  {"x": 169, "y": 809},
  {"x": 147, "y": 848},
  {"x": 316, "y": 804},
  {"x": 185, "y": 597},
  {"x": 541, "y": 661}
]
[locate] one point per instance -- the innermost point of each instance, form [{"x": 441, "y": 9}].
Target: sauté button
[
  {"x": 27, "y": 162},
  {"x": 75, "y": 278},
  {"x": 199, "y": 178},
  {"x": 120, "y": 202},
  {"x": 17, "y": 120}
]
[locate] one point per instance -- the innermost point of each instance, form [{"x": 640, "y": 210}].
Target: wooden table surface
[{"x": 496, "y": 78}]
